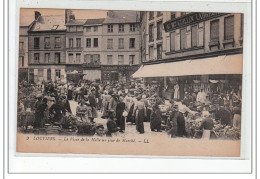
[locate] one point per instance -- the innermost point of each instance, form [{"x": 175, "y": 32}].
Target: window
[
  {"x": 96, "y": 59},
  {"x": 242, "y": 25},
  {"x": 159, "y": 30},
  {"x": 159, "y": 51},
  {"x": 21, "y": 60},
  {"x": 109, "y": 60},
  {"x": 88, "y": 29},
  {"x": 21, "y": 45},
  {"x": 47, "y": 57},
  {"x": 109, "y": 28},
  {"x": 183, "y": 39},
  {"x": 78, "y": 42},
  {"x": 132, "y": 43},
  {"x": 214, "y": 30},
  {"x": 194, "y": 36},
  {"x": 71, "y": 43},
  {"x": 78, "y": 28},
  {"x": 57, "y": 42},
  {"x": 121, "y": 28},
  {"x": 173, "y": 15},
  {"x": 78, "y": 57},
  {"x": 151, "y": 15},
  {"x": 95, "y": 42},
  {"x": 151, "y": 32},
  {"x": 120, "y": 59},
  {"x": 57, "y": 58},
  {"x": 36, "y": 57},
  {"x": 151, "y": 55},
  {"x": 70, "y": 57},
  {"x": 36, "y": 42},
  {"x": 229, "y": 28},
  {"x": 95, "y": 28},
  {"x": 132, "y": 27},
  {"x": 57, "y": 72},
  {"x": 47, "y": 42},
  {"x": 109, "y": 43},
  {"x": 88, "y": 42},
  {"x": 159, "y": 13},
  {"x": 172, "y": 41},
  {"x": 87, "y": 58},
  {"x": 121, "y": 43},
  {"x": 131, "y": 59},
  {"x": 70, "y": 29}
]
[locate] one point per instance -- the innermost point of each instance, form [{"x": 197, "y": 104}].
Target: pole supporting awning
[{"x": 231, "y": 64}]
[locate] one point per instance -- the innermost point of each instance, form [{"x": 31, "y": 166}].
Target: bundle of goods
[
  {"x": 52, "y": 129},
  {"x": 68, "y": 125},
  {"x": 192, "y": 128},
  {"x": 86, "y": 128},
  {"x": 226, "y": 132}
]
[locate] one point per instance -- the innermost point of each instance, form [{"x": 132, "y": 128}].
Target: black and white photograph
[{"x": 130, "y": 82}]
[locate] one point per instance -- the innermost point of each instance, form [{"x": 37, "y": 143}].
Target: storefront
[
  {"x": 120, "y": 73},
  {"x": 23, "y": 74},
  {"x": 216, "y": 75},
  {"x": 74, "y": 73}
]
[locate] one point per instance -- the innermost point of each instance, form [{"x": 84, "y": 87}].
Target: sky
[{"x": 27, "y": 15}]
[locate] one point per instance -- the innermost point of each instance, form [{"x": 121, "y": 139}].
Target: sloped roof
[
  {"x": 76, "y": 22},
  {"x": 91, "y": 22},
  {"x": 49, "y": 23},
  {"x": 117, "y": 17}
]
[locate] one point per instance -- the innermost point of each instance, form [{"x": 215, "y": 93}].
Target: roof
[
  {"x": 117, "y": 17},
  {"x": 91, "y": 22},
  {"x": 76, "y": 22},
  {"x": 49, "y": 23}
]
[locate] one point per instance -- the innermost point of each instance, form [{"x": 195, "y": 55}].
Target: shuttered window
[
  {"x": 183, "y": 39},
  {"x": 229, "y": 28},
  {"x": 214, "y": 30},
  {"x": 172, "y": 41},
  {"x": 194, "y": 36},
  {"x": 242, "y": 25}
]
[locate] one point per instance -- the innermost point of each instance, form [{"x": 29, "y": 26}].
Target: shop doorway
[
  {"x": 114, "y": 76},
  {"x": 49, "y": 74}
]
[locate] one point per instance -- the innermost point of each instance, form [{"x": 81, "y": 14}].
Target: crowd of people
[{"x": 135, "y": 104}]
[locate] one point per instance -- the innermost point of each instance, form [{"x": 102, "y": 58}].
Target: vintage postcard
[{"x": 152, "y": 83}]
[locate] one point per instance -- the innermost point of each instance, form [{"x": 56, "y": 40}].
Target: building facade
[
  {"x": 47, "y": 48},
  {"x": 23, "y": 53},
  {"x": 192, "y": 47},
  {"x": 120, "y": 46},
  {"x": 93, "y": 39}
]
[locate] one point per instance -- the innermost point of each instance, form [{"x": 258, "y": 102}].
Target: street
[{"x": 130, "y": 130}]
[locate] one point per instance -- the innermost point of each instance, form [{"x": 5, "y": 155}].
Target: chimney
[
  {"x": 36, "y": 15},
  {"x": 110, "y": 14},
  {"x": 69, "y": 15}
]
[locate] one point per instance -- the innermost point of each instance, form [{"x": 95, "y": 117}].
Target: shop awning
[{"x": 231, "y": 64}]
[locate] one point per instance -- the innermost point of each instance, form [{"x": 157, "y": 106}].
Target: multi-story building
[
  {"x": 120, "y": 45},
  {"x": 47, "y": 48},
  {"x": 23, "y": 53},
  {"x": 74, "y": 43},
  {"x": 192, "y": 48},
  {"x": 93, "y": 49}
]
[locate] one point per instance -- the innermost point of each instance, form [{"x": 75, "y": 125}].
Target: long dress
[
  {"x": 176, "y": 92},
  {"x": 119, "y": 115},
  {"x": 180, "y": 125},
  {"x": 172, "y": 124},
  {"x": 156, "y": 120},
  {"x": 106, "y": 99},
  {"x": 139, "y": 116}
]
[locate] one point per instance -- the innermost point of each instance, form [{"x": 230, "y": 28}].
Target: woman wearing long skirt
[
  {"x": 156, "y": 119},
  {"x": 139, "y": 111},
  {"x": 119, "y": 114}
]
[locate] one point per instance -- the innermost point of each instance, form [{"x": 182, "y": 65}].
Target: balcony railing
[{"x": 91, "y": 65}]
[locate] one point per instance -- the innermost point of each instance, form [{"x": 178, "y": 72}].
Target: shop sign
[{"x": 189, "y": 19}]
